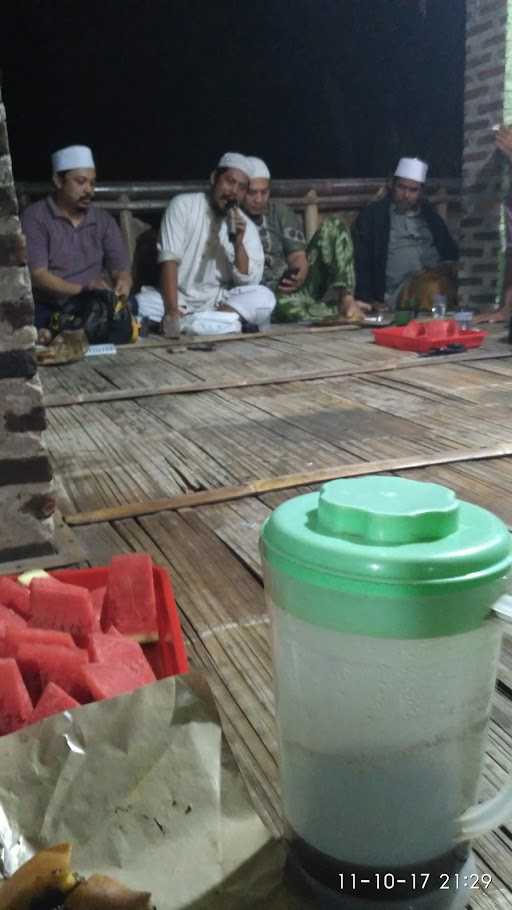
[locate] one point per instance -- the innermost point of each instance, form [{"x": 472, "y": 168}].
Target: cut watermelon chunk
[
  {"x": 130, "y": 603},
  {"x": 41, "y": 664},
  {"x": 15, "y": 596},
  {"x": 11, "y": 619},
  {"x": 98, "y": 599},
  {"x": 16, "y": 637},
  {"x": 15, "y": 704},
  {"x": 3, "y": 632},
  {"x": 118, "y": 651},
  {"x": 52, "y": 701},
  {"x": 9, "y": 622},
  {"x": 106, "y": 681},
  {"x": 67, "y": 608}
]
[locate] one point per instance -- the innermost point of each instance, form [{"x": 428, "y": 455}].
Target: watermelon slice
[
  {"x": 41, "y": 664},
  {"x": 117, "y": 650},
  {"x": 98, "y": 599},
  {"x": 55, "y": 605},
  {"x": 107, "y": 681},
  {"x": 16, "y": 637},
  {"x": 52, "y": 701},
  {"x": 3, "y": 633},
  {"x": 15, "y": 596},
  {"x": 130, "y": 603},
  {"x": 15, "y": 703},
  {"x": 11, "y": 619}
]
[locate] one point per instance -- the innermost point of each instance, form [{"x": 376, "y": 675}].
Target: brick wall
[
  {"x": 485, "y": 173},
  {"x": 26, "y": 518}
]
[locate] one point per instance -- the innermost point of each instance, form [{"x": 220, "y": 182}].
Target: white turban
[
  {"x": 73, "y": 156},
  {"x": 258, "y": 169},
  {"x": 412, "y": 169},
  {"x": 235, "y": 159}
]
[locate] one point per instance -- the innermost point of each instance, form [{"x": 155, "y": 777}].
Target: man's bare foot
[
  {"x": 500, "y": 315},
  {"x": 44, "y": 336}
]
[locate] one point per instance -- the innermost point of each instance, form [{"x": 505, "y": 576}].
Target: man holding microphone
[{"x": 211, "y": 258}]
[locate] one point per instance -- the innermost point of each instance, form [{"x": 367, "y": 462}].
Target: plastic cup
[{"x": 464, "y": 318}]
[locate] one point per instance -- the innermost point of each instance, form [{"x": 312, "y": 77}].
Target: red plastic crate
[
  {"x": 171, "y": 657},
  {"x": 427, "y": 336}
]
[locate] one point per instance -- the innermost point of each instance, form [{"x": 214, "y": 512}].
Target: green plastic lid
[{"x": 413, "y": 559}]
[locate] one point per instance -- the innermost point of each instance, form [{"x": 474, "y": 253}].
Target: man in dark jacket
[{"x": 399, "y": 236}]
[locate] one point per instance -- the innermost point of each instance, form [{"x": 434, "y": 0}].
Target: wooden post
[
  {"x": 126, "y": 223},
  {"x": 311, "y": 216}
]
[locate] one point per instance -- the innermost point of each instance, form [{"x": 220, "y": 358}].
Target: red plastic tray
[
  {"x": 168, "y": 656},
  {"x": 426, "y": 336}
]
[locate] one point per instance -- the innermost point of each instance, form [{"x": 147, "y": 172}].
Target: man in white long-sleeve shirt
[{"x": 211, "y": 273}]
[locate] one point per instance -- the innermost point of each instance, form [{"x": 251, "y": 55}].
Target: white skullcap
[
  {"x": 235, "y": 159},
  {"x": 258, "y": 169},
  {"x": 412, "y": 169},
  {"x": 71, "y": 157}
]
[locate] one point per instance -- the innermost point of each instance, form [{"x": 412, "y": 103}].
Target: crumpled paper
[{"x": 146, "y": 789}]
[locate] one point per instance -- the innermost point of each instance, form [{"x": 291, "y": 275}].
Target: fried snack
[
  {"x": 47, "y": 871},
  {"x": 100, "y": 892}
]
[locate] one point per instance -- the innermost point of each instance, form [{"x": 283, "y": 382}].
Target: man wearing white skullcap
[
  {"x": 72, "y": 246},
  {"x": 211, "y": 259},
  {"x": 310, "y": 283},
  {"x": 400, "y": 239}
]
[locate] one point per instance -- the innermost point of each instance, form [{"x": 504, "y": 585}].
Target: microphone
[{"x": 231, "y": 219}]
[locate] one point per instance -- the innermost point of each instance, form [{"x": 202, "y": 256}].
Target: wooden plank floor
[{"x": 112, "y": 452}]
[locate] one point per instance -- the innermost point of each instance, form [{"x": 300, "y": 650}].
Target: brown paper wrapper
[{"x": 146, "y": 789}]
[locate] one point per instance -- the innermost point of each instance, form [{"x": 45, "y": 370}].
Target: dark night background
[{"x": 318, "y": 88}]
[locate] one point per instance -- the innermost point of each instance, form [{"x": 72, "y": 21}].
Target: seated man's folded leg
[
  {"x": 331, "y": 258},
  {"x": 254, "y": 302},
  {"x": 294, "y": 307}
]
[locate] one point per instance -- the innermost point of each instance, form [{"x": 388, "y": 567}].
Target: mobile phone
[{"x": 289, "y": 273}]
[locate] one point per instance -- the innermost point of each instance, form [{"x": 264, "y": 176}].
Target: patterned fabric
[
  {"x": 280, "y": 234},
  {"x": 331, "y": 267}
]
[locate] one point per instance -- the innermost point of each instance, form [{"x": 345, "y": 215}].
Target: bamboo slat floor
[{"x": 107, "y": 453}]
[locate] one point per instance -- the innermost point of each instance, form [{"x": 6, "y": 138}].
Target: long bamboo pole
[
  {"x": 61, "y": 401},
  {"x": 284, "y": 482}
]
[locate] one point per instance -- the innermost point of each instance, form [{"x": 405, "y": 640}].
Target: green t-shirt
[{"x": 280, "y": 234}]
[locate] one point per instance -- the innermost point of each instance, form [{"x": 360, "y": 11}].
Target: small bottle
[{"x": 439, "y": 305}]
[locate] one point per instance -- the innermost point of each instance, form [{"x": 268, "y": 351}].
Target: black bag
[{"x": 103, "y": 317}]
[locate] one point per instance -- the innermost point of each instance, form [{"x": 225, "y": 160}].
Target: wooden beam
[
  {"x": 284, "y": 482},
  {"x": 65, "y": 401},
  {"x": 277, "y": 330}
]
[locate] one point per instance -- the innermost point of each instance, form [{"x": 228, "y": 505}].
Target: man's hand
[
  {"x": 354, "y": 310},
  {"x": 298, "y": 264},
  {"x": 170, "y": 325},
  {"x": 123, "y": 286},
  {"x": 97, "y": 284},
  {"x": 291, "y": 284},
  {"x": 240, "y": 225},
  {"x": 505, "y": 310},
  {"x": 504, "y": 141}
]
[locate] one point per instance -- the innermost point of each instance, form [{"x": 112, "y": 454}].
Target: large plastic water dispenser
[{"x": 385, "y": 644}]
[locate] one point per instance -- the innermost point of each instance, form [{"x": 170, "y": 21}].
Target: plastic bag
[{"x": 100, "y": 313}]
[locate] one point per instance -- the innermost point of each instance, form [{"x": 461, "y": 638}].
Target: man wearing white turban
[
  {"x": 72, "y": 246},
  {"x": 211, "y": 258},
  {"x": 311, "y": 282},
  {"x": 401, "y": 243}
]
